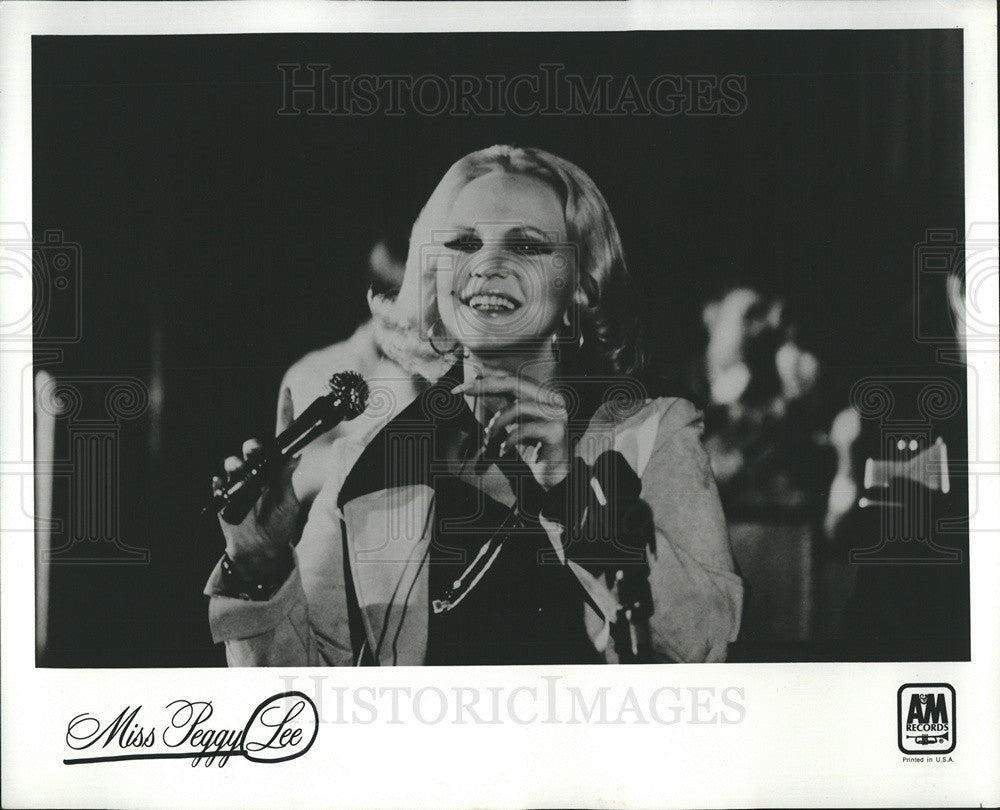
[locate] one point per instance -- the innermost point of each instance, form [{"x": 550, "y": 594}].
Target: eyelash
[
  {"x": 471, "y": 244},
  {"x": 465, "y": 244}
]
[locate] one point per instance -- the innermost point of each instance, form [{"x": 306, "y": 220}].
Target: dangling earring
[
  {"x": 458, "y": 350},
  {"x": 557, "y": 338}
]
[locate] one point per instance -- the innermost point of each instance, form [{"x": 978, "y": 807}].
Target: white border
[{"x": 821, "y": 735}]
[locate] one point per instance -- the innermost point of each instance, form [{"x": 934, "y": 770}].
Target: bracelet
[{"x": 234, "y": 585}]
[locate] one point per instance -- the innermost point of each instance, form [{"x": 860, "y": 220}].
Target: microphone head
[{"x": 351, "y": 389}]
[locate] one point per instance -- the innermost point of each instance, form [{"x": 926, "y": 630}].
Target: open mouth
[{"x": 491, "y": 302}]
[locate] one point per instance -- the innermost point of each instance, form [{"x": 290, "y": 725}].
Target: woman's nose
[
  {"x": 492, "y": 255},
  {"x": 490, "y": 263},
  {"x": 489, "y": 273}
]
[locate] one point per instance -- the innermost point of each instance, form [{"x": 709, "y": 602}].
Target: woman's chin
[
  {"x": 486, "y": 343},
  {"x": 495, "y": 332},
  {"x": 487, "y": 329},
  {"x": 504, "y": 346}
]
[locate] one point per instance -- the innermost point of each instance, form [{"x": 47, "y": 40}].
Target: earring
[
  {"x": 458, "y": 350},
  {"x": 558, "y": 338}
]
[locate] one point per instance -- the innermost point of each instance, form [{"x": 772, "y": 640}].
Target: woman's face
[{"x": 506, "y": 274}]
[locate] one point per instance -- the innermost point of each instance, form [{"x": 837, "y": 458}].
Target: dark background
[{"x": 221, "y": 241}]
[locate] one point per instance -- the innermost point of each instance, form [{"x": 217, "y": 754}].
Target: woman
[{"x": 530, "y": 506}]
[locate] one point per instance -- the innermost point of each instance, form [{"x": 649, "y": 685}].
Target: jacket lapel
[
  {"x": 387, "y": 503},
  {"x": 388, "y": 544}
]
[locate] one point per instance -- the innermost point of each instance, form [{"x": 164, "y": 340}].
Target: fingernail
[{"x": 458, "y": 388}]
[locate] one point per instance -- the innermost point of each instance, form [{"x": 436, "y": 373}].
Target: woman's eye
[
  {"x": 531, "y": 248},
  {"x": 466, "y": 244}
]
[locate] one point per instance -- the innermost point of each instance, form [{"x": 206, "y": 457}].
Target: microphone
[{"x": 347, "y": 399}]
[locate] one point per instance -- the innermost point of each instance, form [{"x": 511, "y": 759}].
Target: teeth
[{"x": 491, "y": 302}]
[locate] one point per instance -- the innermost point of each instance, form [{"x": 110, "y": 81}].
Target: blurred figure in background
[
  {"x": 757, "y": 385},
  {"x": 758, "y": 389},
  {"x": 307, "y": 378},
  {"x": 896, "y": 519}
]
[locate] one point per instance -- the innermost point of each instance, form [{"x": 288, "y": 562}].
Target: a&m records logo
[{"x": 926, "y": 718}]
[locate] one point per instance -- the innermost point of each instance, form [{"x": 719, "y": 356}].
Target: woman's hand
[
  {"x": 535, "y": 417},
  {"x": 260, "y": 544}
]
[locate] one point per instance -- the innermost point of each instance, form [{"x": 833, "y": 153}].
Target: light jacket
[{"x": 361, "y": 560}]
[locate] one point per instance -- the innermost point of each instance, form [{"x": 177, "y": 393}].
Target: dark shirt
[{"x": 526, "y": 608}]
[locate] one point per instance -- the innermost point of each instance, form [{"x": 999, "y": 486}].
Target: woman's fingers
[
  {"x": 536, "y": 419},
  {"x": 520, "y": 410},
  {"x": 531, "y": 433},
  {"x": 250, "y": 446},
  {"x": 507, "y": 384},
  {"x": 232, "y": 464},
  {"x": 520, "y": 388},
  {"x": 279, "y": 497}
]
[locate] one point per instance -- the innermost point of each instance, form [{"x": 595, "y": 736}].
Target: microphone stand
[{"x": 630, "y": 632}]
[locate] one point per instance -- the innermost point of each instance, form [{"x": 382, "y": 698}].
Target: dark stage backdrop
[{"x": 221, "y": 240}]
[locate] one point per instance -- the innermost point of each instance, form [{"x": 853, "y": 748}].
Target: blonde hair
[{"x": 606, "y": 309}]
